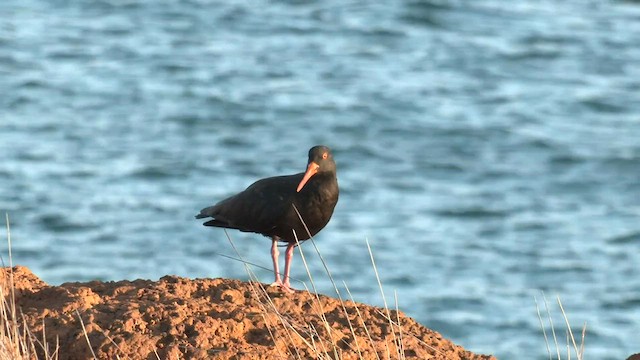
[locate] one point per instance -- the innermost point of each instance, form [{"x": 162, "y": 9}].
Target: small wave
[
  {"x": 153, "y": 172},
  {"x": 629, "y": 238},
  {"x": 472, "y": 212},
  {"x": 425, "y": 13},
  {"x": 534, "y": 53},
  {"x": 631, "y": 302},
  {"x": 32, "y": 84},
  {"x": 431, "y": 5},
  {"x": 34, "y": 156},
  {"x": 602, "y": 105},
  {"x": 61, "y": 223},
  {"x": 566, "y": 159}
]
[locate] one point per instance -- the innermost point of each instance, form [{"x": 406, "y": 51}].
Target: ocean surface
[{"x": 488, "y": 151}]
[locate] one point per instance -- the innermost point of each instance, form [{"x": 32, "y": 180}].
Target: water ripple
[{"x": 486, "y": 151}]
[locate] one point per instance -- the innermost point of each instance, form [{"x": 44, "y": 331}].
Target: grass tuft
[
  {"x": 16, "y": 340},
  {"x": 320, "y": 341},
  {"x": 292, "y": 340},
  {"x": 571, "y": 341}
]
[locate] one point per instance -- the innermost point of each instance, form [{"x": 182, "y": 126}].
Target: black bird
[{"x": 268, "y": 207}]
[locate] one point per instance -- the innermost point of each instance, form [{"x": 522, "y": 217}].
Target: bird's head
[{"x": 320, "y": 161}]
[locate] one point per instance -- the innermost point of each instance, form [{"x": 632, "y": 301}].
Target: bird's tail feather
[
  {"x": 207, "y": 212},
  {"x": 219, "y": 223}
]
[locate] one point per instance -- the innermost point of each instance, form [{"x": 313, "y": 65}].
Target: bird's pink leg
[
  {"x": 274, "y": 256},
  {"x": 288, "y": 255}
]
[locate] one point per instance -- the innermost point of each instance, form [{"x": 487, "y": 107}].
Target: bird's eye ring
[{"x": 325, "y": 156}]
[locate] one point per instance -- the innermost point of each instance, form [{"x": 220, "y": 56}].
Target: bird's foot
[{"x": 285, "y": 287}]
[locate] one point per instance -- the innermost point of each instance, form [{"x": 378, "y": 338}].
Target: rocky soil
[{"x": 179, "y": 318}]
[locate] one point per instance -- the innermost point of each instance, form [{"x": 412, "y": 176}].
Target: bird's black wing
[{"x": 259, "y": 208}]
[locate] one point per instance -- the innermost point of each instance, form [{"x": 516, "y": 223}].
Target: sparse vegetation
[
  {"x": 570, "y": 339},
  {"x": 16, "y": 341},
  {"x": 349, "y": 333}
]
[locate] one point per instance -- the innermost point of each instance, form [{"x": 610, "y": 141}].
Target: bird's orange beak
[{"x": 312, "y": 169}]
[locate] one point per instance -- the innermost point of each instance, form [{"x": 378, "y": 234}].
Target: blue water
[{"x": 487, "y": 150}]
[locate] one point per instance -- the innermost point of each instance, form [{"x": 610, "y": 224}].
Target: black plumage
[{"x": 268, "y": 206}]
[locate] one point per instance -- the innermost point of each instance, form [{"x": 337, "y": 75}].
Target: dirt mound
[{"x": 213, "y": 318}]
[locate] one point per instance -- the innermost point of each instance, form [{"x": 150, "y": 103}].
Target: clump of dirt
[{"x": 181, "y": 318}]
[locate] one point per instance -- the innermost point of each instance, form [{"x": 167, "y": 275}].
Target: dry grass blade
[
  {"x": 111, "y": 341},
  {"x": 44, "y": 336},
  {"x": 364, "y": 325},
  {"x": 313, "y": 334},
  {"x": 16, "y": 339},
  {"x": 400, "y": 344},
  {"x": 57, "y": 347},
  {"x": 584, "y": 333},
  {"x": 323, "y": 346},
  {"x": 335, "y": 286},
  {"x": 544, "y": 333},
  {"x": 315, "y": 293},
  {"x": 268, "y": 326},
  {"x": 12, "y": 304},
  {"x": 268, "y": 303},
  {"x": 568, "y": 346},
  {"x": 412, "y": 335},
  {"x": 254, "y": 290},
  {"x": 86, "y": 336},
  {"x": 13, "y": 345},
  {"x": 28, "y": 340},
  {"x": 553, "y": 330},
  {"x": 6, "y": 215},
  {"x": 250, "y": 263},
  {"x": 573, "y": 340},
  {"x": 570, "y": 339},
  {"x": 315, "y": 331},
  {"x": 384, "y": 299}
]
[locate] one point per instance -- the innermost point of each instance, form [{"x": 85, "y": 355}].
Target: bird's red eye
[{"x": 325, "y": 156}]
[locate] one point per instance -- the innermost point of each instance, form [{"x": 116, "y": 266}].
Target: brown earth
[{"x": 178, "y": 318}]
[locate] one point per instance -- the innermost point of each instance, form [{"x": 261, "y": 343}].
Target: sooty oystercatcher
[{"x": 268, "y": 207}]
